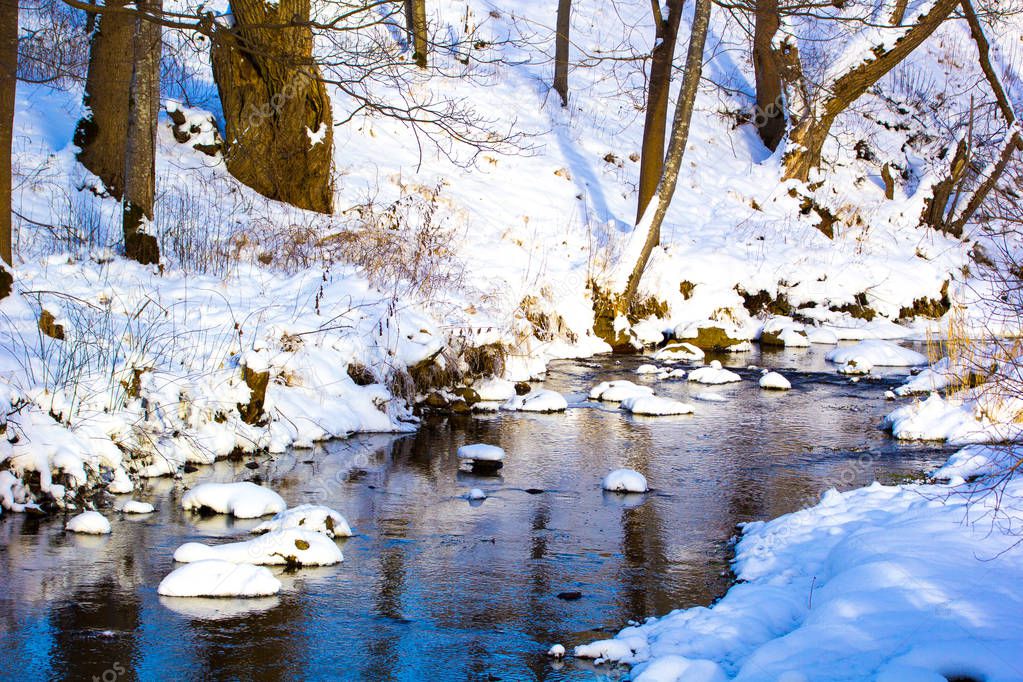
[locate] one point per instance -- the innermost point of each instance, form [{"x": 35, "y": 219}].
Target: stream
[{"x": 433, "y": 586}]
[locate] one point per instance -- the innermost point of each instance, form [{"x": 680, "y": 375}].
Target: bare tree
[
  {"x": 8, "y": 83},
  {"x": 651, "y": 165},
  {"x": 768, "y": 69},
  {"x": 609, "y": 305},
  {"x": 140, "y": 144},
  {"x": 807, "y": 137},
  {"x": 561, "y": 43},
  {"x": 100, "y": 135}
]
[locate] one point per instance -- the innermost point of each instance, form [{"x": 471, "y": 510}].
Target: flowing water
[{"x": 433, "y": 586}]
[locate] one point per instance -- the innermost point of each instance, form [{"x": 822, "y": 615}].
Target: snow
[
  {"x": 713, "y": 374},
  {"x": 136, "y": 507},
  {"x": 312, "y": 517},
  {"x": 648, "y": 369},
  {"x": 618, "y": 390},
  {"x": 215, "y": 578},
  {"x": 90, "y": 523},
  {"x": 243, "y": 500},
  {"x": 475, "y": 494},
  {"x": 974, "y": 418},
  {"x": 290, "y": 546},
  {"x": 877, "y": 353},
  {"x": 937, "y": 377},
  {"x": 494, "y": 390},
  {"x": 481, "y": 452},
  {"x": 884, "y": 582},
  {"x": 556, "y": 651},
  {"x": 822, "y": 336},
  {"x": 775, "y": 381},
  {"x": 537, "y": 400},
  {"x": 975, "y": 461},
  {"x": 709, "y": 397},
  {"x": 655, "y": 405},
  {"x": 624, "y": 481},
  {"x": 680, "y": 351}
]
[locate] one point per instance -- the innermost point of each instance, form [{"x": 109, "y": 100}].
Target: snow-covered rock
[
  {"x": 655, "y": 406},
  {"x": 680, "y": 350},
  {"x": 311, "y": 517},
  {"x": 856, "y": 367},
  {"x": 556, "y": 651},
  {"x": 90, "y": 523},
  {"x": 537, "y": 400},
  {"x": 494, "y": 389},
  {"x": 712, "y": 335},
  {"x": 244, "y": 500},
  {"x": 215, "y": 578},
  {"x": 136, "y": 507},
  {"x": 878, "y": 353},
  {"x": 822, "y": 336},
  {"x": 625, "y": 481},
  {"x": 709, "y": 397},
  {"x": 775, "y": 381},
  {"x": 713, "y": 374},
  {"x": 618, "y": 390},
  {"x": 782, "y": 331},
  {"x": 476, "y": 494},
  {"x": 293, "y": 547},
  {"x": 481, "y": 452},
  {"x": 648, "y": 369}
]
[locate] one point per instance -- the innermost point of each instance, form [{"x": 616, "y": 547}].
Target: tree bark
[
  {"x": 8, "y": 87},
  {"x": 653, "y": 217},
  {"x": 807, "y": 138},
  {"x": 140, "y": 149},
  {"x": 651, "y": 164},
  {"x": 278, "y": 121},
  {"x": 415, "y": 20},
  {"x": 898, "y": 12},
  {"x": 561, "y": 42},
  {"x": 769, "y": 117},
  {"x": 100, "y": 135}
]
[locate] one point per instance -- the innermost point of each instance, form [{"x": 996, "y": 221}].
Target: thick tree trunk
[
  {"x": 769, "y": 117},
  {"x": 140, "y": 152},
  {"x": 807, "y": 138},
  {"x": 561, "y": 42},
  {"x": 415, "y": 20},
  {"x": 100, "y": 135},
  {"x": 651, "y": 164},
  {"x": 8, "y": 85},
  {"x": 279, "y": 127}
]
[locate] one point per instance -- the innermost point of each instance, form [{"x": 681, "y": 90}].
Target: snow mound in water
[
  {"x": 136, "y": 507},
  {"x": 243, "y": 500},
  {"x": 481, "y": 452},
  {"x": 774, "y": 382},
  {"x": 822, "y": 336},
  {"x": 214, "y": 578},
  {"x": 648, "y": 369},
  {"x": 680, "y": 350},
  {"x": 710, "y": 397},
  {"x": 90, "y": 522},
  {"x": 877, "y": 353},
  {"x": 538, "y": 400},
  {"x": 618, "y": 390},
  {"x": 476, "y": 494},
  {"x": 713, "y": 374},
  {"x": 655, "y": 406},
  {"x": 311, "y": 517},
  {"x": 625, "y": 481},
  {"x": 292, "y": 546},
  {"x": 494, "y": 390}
]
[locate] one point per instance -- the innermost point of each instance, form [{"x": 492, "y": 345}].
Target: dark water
[{"x": 433, "y": 587}]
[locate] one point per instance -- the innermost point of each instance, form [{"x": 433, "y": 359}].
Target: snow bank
[
  {"x": 90, "y": 523},
  {"x": 655, "y": 406},
  {"x": 975, "y": 418},
  {"x": 537, "y": 400},
  {"x": 881, "y": 583},
  {"x": 774, "y": 381},
  {"x": 214, "y": 578},
  {"x": 625, "y": 481},
  {"x": 876, "y": 353},
  {"x": 311, "y": 517},
  {"x": 243, "y": 500},
  {"x": 713, "y": 374},
  {"x": 618, "y": 390},
  {"x": 975, "y": 461},
  {"x": 291, "y": 546}
]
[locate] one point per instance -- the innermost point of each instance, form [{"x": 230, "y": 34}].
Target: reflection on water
[{"x": 431, "y": 586}]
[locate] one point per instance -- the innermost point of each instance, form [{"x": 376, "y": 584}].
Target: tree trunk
[
  {"x": 415, "y": 20},
  {"x": 100, "y": 135},
  {"x": 8, "y": 86},
  {"x": 769, "y": 116},
  {"x": 898, "y": 12},
  {"x": 807, "y": 138},
  {"x": 278, "y": 122},
  {"x": 140, "y": 152},
  {"x": 561, "y": 42},
  {"x": 651, "y": 164}
]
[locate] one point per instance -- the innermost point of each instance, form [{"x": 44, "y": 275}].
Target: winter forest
[{"x": 661, "y": 341}]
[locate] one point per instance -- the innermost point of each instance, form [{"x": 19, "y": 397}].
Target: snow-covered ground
[{"x": 890, "y": 583}]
